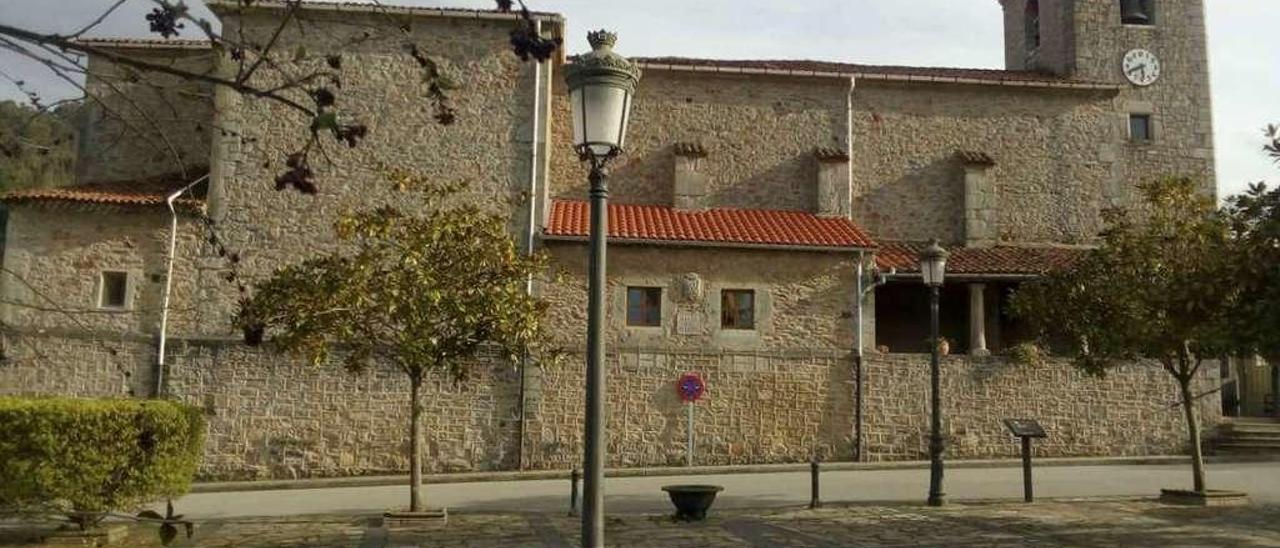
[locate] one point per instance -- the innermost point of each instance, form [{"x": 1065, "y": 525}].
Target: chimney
[
  {"x": 833, "y": 182},
  {"x": 980, "y": 218},
  {"x": 690, "y": 183}
]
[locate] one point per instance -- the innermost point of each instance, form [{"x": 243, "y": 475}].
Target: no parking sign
[{"x": 691, "y": 387}]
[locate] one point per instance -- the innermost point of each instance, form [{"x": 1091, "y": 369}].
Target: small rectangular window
[
  {"x": 1140, "y": 128},
  {"x": 644, "y": 306},
  {"x": 738, "y": 309},
  {"x": 114, "y": 290}
]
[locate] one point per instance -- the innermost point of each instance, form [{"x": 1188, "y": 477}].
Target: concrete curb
[{"x": 471, "y": 477}]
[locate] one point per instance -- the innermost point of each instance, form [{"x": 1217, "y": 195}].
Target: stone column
[
  {"x": 833, "y": 183},
  {"x": 690, "y": 183},
  {"x": 980, "y": 212},
  {"x": 978, "y": 320}
]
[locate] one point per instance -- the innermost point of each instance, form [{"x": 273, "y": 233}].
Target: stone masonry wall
[
  {"x": 154, "y": 124},
  {"x": 73, "y": 364},
  {"x": 804, "y": 301},
  {"x": 760, "y": 133},
  {"x": 55, "y": 256},
  {"x": 488, "y": 146},
  {"x": 275, "y": 416},
  {"x": 764, "y": 407},
  {"x": 272, "y": 416},
  {"x": 1133, "y": 411},
  {"x": 1048, "y": 176}
]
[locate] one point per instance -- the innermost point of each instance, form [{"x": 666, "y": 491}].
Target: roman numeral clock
[{"x": 1141, "y": 67}]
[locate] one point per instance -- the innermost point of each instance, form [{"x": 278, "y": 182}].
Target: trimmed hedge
[{"x": 87, "y": 457}]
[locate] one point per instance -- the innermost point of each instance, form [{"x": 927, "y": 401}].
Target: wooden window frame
[
  {"x": 647, "y": 312},
  {"x": 731, "y": 311},
  {"x": 1149, "y": 127}
]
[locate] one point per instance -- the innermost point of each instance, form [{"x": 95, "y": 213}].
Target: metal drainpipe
[
  {"x": 858, "y": 295},
  {"x": 168, "y": 282},
  {"x": 532, "y": 228}
]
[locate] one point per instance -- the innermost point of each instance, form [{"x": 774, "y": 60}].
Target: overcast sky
[{"x": 1244, "y": 59}]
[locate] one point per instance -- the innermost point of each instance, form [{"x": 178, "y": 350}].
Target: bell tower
[{"x": 1155, "y": 51}]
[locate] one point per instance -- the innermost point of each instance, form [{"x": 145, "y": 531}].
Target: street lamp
[
  {"x": 933, "y": 267},
  {"x": 601, "y": 84}
]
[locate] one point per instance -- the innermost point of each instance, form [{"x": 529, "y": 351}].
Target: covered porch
[{"x": 974, "y": 302}]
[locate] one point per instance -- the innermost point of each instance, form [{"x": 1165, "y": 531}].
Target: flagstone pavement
[{"x": 1114, "y": 522}]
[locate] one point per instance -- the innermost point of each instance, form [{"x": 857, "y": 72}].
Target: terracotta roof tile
[
  {"x": 750, "y": 227},
  {"x": 829, "y": 154},
  {"x": 219, "y": 6},
  {"x": 987, "y": 75},
  {"x": 147, "y": 43},
  {"x": 975, "y": 157},
  {"x": 999, "y": 260},
  {"x": 691, "y": 149},
  {"x": 146, "y": 192}
]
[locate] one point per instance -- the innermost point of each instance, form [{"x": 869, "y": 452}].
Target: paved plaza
[{"x": 1065, "y": 522}]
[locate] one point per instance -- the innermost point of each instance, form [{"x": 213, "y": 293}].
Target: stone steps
[{"x": 1248, "y": 436}]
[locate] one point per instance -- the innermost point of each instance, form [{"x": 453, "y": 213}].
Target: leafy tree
[
  {"x": 37, "y": 148},
  {"x": 423, "y": 291},
  {"x": 1157, "y": 288},
  {"x": 1255, "y": 228}
]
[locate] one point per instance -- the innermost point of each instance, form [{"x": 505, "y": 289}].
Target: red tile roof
[
  {"x": 829, "y": 67},
  {"x": 218, "y": 6},
  {"x": 150, "y": 191},
  {"x": 999, "y": 260},
  {"x": 146, "y": 42},
  {"x": 748, "y": 227}
]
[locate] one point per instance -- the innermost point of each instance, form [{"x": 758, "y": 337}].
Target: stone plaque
[
  {"x": 1025, "y": 428},
  {"x": 690, "y": 287},
  {"x": 688, "y": 322}
]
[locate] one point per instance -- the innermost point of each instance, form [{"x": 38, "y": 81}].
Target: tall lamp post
[
  {"x": 601, "y": 84},
  {"x": 933, "y": 267}
]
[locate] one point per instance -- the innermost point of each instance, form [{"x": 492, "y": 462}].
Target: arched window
[{"x": 1033, "y": 24}]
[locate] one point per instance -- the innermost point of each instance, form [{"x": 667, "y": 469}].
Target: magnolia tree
[
  {"x": 1255, "y": 228},
  {"x": 423, "y": 291},
  {"x": 1157, "y": 290}
]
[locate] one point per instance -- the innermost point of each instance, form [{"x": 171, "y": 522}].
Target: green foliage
[
  {"x": 86, "y": 457},
  {"x": 422, "y": 290},
  {"x": 1255, "y": 228},
  {"x": 1026, "y": 353},
  {"x": 1158, "y": 287},
  {"x": 37, "y": 149}
]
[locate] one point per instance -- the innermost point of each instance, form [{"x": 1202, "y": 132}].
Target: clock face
[{"x": 1141, "y": 67}]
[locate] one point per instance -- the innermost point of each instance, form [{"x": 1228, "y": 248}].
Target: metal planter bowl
[{"x": 692, "y": 501}]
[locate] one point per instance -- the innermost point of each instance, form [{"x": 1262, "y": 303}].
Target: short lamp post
[
  {"x": 933, "y": 267},
  {"x": 601, "y": 84}
]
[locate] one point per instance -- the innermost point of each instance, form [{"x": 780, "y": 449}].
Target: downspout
[
  {"x": 168, "y": 282},
  {"x": 859, "y": 293},
  {"x": 532, "y": 229}
]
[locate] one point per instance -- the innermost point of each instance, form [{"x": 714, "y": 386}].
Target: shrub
[
  {"x": 86, "y": 458},
  {"x": 1026, "y": 353}
]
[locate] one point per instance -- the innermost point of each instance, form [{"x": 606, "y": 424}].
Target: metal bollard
[
  {"x": 814, "y": 501},
  {"x": 1028, "y": 493},
  {"x": 573, "y": 491}
]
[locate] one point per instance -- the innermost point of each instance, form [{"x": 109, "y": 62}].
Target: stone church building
[{"x": 764, "y": 226}]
